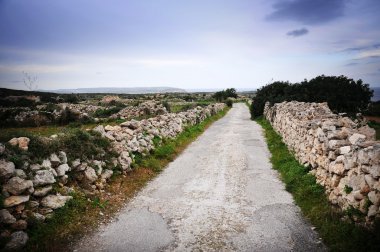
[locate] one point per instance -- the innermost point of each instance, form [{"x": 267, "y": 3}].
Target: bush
[
  {"x": 223, "y": 95},
  {"x": 341, "y": 93},
  {"x": 229, "y": 102}
]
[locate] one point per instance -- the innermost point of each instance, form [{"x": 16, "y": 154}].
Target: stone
[
  {"x": 46, "y": 163},
  {"x": 38, "y": 217},
  {"x": 374, "y": 197},
  {"x": 55, "y": 161},
  {"x": 43, "y": 177},
  {"x": 18, "y": 241},
  {"x": 15, "y": 200},
  {"x": 35, "y": 167},
  {"x": 19, "y": 225},
  {"x": 7, "y": 169},
  {"x": 2, "y": 148},
  {"x": 13, "y": 141},
  {"x": 369, "y": 180},
  {"x": 356, "y": 138},
  {"x": 6, "y": 217},
  {"x": 358, "y": 195},
  {"x": 368, "y": 132},
  {"x": 23, "y": 143},
  {"x": 63, "y": 157},
  {"x": 62, "y": 169},
  {"x": 375, "y": 171},
  {"x": 55, "y": 201},
  {"x": 42, "y": 191},
  {"x": 337, "y": 168},
  {"x": 33, "y": 204},
  {"x": 17, "y": 186},
  {"x": 372, "y": 210},
  {"x": 75, "y": 163},
  {"x": 344, "y": 150},
  {"x": 106, "y": 174},
  {"x": 90, "y": 174},
  {"x": 20, "y": 173}
]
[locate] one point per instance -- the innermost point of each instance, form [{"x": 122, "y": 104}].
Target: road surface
[{"x": 220, "y": 194}]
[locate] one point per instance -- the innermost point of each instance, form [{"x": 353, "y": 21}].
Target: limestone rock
[
  {"x": 17, "y": 186},
  {"x": 7, "y": 169},
  {"x": 372, "y": 211},
  {"x": 23, "y": 143},
  {"x": 55, "y": 161},
  {"x": 20, "y": 173},
  {"x": 18, "y": 241},
  {"x": 90, "y": 174},
  {"x": 374, "y": 198},
  {"x": 106, "y": 174},
  {"x": 42, "y": 191},
  {"x": 356, "y": 138},
  {"x": 2, "y": 148},
  {"x": 6, "y": 217},
  {"x": 55, "y": 201},
  {"x": 15, "y": 200},
  {"x": 63, "y": 157},
  {"x": 62, "y": 169},
  {"x": 43, "y": 177},
  {"x": 20, "y": 225}
]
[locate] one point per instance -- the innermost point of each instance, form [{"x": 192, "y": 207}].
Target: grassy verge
[
  {"x": 337, "y": 234},
  {"x": 82, "y": 214}
]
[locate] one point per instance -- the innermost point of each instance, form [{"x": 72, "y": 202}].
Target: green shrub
[
  {"x": 229, "y": 102},
  {"x": 341, "y": 93}
]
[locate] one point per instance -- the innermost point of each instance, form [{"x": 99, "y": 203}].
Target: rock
[
  {"x": 375, "y": 171},
  {"x": 38, "y": 217},
  {"x": 43, "y": 177},
  {"x": 6, "y": 217},
  {"x": 372, "y": 211},
  {"x": 46, "y": 163},
  {"x": 23, "y": 143},
  {"x": 63, "y": 157},
  {"x": 33, "y": 204},
  {"x": 75, "y": 163},
  {"x": 55, "y": 161},
  {"x": 19, "y": 225},
  {"x": 40, "y": 192},
  {"x": 344, "y": 150},
  {"x": 358, "y": 195},
  {"x": 337, "y": 168},
  {"x": 2, "y": 148},
  {"x": 356, "y": 138},
  {"x": 17, "y": 186},
  {"x": 55, "y": 201},
  {"x": 106, "y": 174},
  {"x": 100, "y": 129},
  {"x": 62, "y": 169},
  {"x": 7, "y": 169},
  {"x": 20, "y": 173},
  {"x": 374, "y": 198},
  {"x": 13, "y": 141},
  {"x": 18, "y": 241},
  {"x": 369, "y": 133},
  {"x": 90, "y": 174},
  {"x": 35, "y": 167},
  {"x": 15, "y": 200}
]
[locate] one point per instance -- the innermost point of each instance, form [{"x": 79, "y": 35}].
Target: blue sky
[{"x": 186, "y": 43}]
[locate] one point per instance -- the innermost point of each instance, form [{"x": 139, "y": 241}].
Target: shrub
[
  {"x": 341, "y": 93},
  {"x": 229, "y": 102}
]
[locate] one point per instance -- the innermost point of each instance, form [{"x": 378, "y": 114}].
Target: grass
[
  {"x": 337, "y": 234},
  {"x": 82, "y": 214},
  {"x": 376, "y": 126}
]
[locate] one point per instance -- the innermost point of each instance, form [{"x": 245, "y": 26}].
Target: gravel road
[{"x": 220, "y": 194}]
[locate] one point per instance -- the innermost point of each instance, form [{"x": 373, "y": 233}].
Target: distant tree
[{"x": 223, "y": 95}]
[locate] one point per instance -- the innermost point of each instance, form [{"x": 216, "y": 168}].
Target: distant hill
[{"x": 118, "y": 90}]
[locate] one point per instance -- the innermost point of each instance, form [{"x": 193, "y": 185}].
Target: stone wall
[
  {"x": 342, "y": 154},
  {"x": 30, "y": 193}
]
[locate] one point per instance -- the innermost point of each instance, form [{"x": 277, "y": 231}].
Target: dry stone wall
[
  {"x": 342, "y": 154},
  {"x": 30, "y": 193}
]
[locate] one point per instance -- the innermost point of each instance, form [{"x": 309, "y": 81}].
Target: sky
[{"x": 190, "y": 44}]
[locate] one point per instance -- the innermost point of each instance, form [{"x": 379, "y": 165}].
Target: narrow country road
[{"x": 219, "y": 195}]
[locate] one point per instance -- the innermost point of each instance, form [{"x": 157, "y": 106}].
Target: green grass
[{"x": 337, "y": 234}]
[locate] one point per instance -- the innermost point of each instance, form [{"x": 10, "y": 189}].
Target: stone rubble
[
  {"x": 31, "y": 193},
  {"x": 343, "y": 155}
]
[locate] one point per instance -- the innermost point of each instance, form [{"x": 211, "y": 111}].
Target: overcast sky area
[{"x": 186, "y": 43}]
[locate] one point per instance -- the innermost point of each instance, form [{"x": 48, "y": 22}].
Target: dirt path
[{"x": 219, "y": 195}]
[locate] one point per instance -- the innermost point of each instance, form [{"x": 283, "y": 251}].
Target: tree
[{"x": 223, "y": 95}]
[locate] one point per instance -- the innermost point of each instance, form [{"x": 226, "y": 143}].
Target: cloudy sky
[{"x": 186, "y": 43}]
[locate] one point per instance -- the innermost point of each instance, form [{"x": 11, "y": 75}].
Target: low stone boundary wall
[
  {"x": 29, "y": 193},
  {"x": 342, "y": 154}
]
